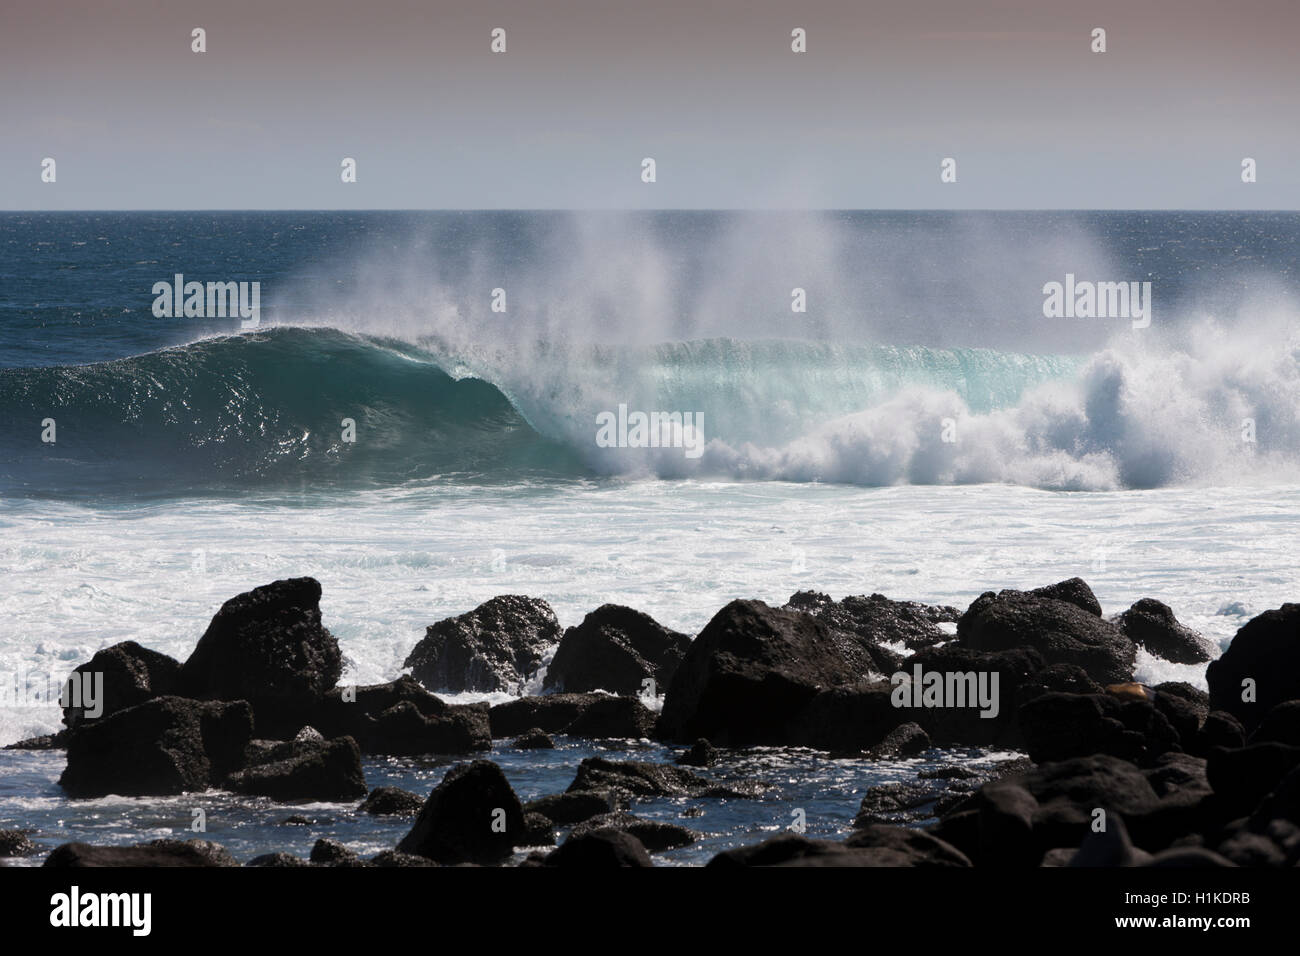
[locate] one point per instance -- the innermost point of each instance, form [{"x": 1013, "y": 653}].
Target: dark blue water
[{"x": 829, "y": 791}]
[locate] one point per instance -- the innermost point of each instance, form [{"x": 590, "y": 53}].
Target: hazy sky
[{"x": 710, "y": 90}]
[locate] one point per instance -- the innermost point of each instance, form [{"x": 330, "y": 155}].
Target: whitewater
[{"x": 925, "y": 433}]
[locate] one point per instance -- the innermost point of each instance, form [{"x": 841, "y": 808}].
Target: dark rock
[
  {"x": 1062, "y": 678},
  {"x": 473, "y": 816},
  {"x": 1109, "y": 847},
  {"x": 846, "y": 719},
  {"x": 333, "y": 853},
  {"x": 565, "y": 809},
  {"x": 905, "y": 740},
  {"x": 1221, "y": 729},
  {"x": 1252, "y": 849},
  {"x": 965, "y": 726},
  {"x": 961, "y": 829},
  {"x": 1073, "y": 591},
  {"x": 277, "y": 860},
  {"x": 600, "y": 849},
  {"x": 391, "y": 801},
  {"x": 877, "y": 620},
  {"x": 892, "y": 802},
  {"x": 167, "y": 745},
  {"x": 1061, "y": 631},
  {"x": 497, "y": 646},
  {"x": 1188, "y": 856},
  {"x": 1242, "y": 778},
  {"x": 884, "y": 845},
  {"x": 539, "y": 830},
  {"x": 1006, "y": 812},
  {"x": 1266, "y": 650},
  {"x": 947, "y": 772},
  {"x": 749, "y": 673},
  {"x": 1282, "y": 805},
  {"x": 701, "y": 754},
  {"x": 394, "y": 858},
  {"x": 1280, "y": 725},
  {"x": 1185, "y": 707},
  {"x": 652, "y": 780},
  {"x": 1070, "y": 791},
  {"x": 1060, "y": 726},
  {"x": 614, "y": 649},
  {"x": 533, "y": 739},
  {"x": 44, "y": 742},
  {"x": 131, "y": 675},
  {"x": 862, "y": 626},
  {"x": 578, "y": 715},
  {"x": 315, "y": 770},
  {"x": 401, "y": 718},
  {"x": 876, "y": 845},
  {"x": 653, "y": 835},
  {"x": 786, "y": 849},
  {"x": 1152, "y": 625},
  {"x": 268, "y": 647},
  {"x": 16, "y": 843},
  {"x": 156, "y": 853}
]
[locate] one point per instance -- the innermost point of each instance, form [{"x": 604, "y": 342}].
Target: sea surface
[{"x": 922, "y": 431}]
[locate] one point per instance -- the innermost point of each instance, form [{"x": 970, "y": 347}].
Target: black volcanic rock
[
  {"x": 1016, "y": 670},
  {"x": 314, "y": 769},
  {"x": 580, "y": 715},
  {"x": 401, "y": 718},
  {"x": 495, "y": 647},
  {"x": 57, "y": 741},
  {"x": 167, "y": 745},
  {"x": 1280, "y": 725},
  {"x": 1061, "y": 631},
  {"x": 533, "y": 739},
  {"x": 1073, "y": 591},
  {"x": 326, "y": 852},
  {"x": 643, "y": 779},
  {"x": 1266, "y": 650},
  {"x": 905, "y": 740},
  {"x": 748, "y": 675},
  {"x": 600, "y": 849},
  {"x": 1221, "y": 729},
  {"x": 158, "y": 853},
  {"x": 131, "y": 675},
  {"x": 1243, "y": 777},
  {"x": 279, "y": 860},
  {"x": 701, "y": 754},
  {"x": 1059, "y": 726},
  {"x": 615, "y": 649},
  {"x": 876, "y": 620},
  {"x": 268, "y": 647},
  {"x": 392, "y": 801},
  {"x": 473, "y": 816},
  {"x": 16, "y": 843},
  {"x": 656, "y": 836},
  {"x": 874, "y": 845},
  {"x": 1152, "y": 625},
  {"x": 565, "y": 809}
]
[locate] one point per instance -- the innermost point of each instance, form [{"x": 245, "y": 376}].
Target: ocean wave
[{"x": 271, "y": 408}]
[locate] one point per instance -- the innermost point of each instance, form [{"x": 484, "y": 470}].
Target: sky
[{"x": 587, "y": 89}]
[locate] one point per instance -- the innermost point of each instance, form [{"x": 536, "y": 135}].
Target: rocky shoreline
[{"x": 1115, "y": 773}]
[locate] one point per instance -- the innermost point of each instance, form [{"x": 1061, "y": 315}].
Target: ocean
[{"x": 921, "y": 430}]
